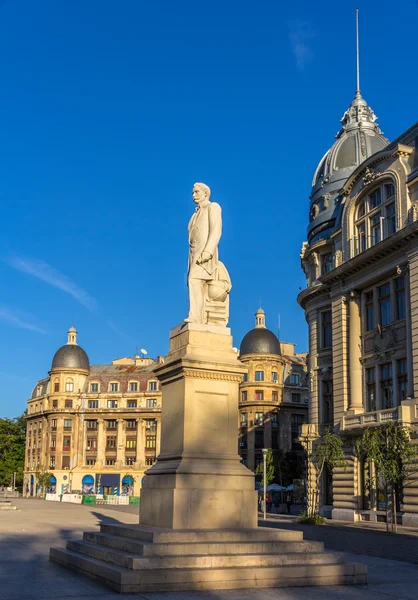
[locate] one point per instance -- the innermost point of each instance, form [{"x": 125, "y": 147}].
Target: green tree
[
  {"x": 390, "y": 449},
  {"x": 270, "y": 469},
  {"x": 43, "y": 480},
  {"x": 327, "y": 451},
  {"x": 12, "y": 450}
]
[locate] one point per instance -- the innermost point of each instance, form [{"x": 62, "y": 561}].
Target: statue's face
[{"x": 198, "y": 195}]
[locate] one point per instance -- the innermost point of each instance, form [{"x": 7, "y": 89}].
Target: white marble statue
[{"x": 208, "y": 280}]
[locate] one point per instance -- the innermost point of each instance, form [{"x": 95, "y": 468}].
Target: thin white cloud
[
  {"x": 300, "y": 35},
  {"x": 19, "y": 319},
  {"x": 43, "y": 271}
]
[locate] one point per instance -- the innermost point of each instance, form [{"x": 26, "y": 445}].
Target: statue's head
[{"x": 201, "y": 192}]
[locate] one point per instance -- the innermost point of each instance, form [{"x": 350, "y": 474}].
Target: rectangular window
[
  {"x": 111, "y": 441},
  {"x": 110, "y": 461},
  {"x": 375, "y": 199},
  {"x": 53, "y": 443},
  {"x": 362, "y": 241},
  {"x": 131, "y": 404},
  {"x": 53, "y": 424},
  {"x": 259, "y": 395},
  {"x": 390, "y": 219},
  {"x": 402, "y": 379},
  {"x": 259, "y": 375},
  {"x": 69, "y": 386},
  {"x": 297, "y": 422},
  {"x": 386, "y": 385},
  {"x": 130, "y": 461},
  {"x": 52, "y": 462},
  {"x": 65, "y": 462},
  {"x": 259, "y": 439},
  {"x": 68, "y": 424},
  {"x": 259, "y": 418},
  {"x": 274, "y": 418},
  {"x": 91, "y": 424},
  {"x": 371, "y": 405},
  {"x": 150, "y": 441},
  {"x": 294, "y": 379},
  {"x": 56, "y": 386},
  {"x": 68, "y": 404},
  {"x": 274, "y": 397},
  {"x": 244, "y": 419},
  {"x": 149, "y": 460},
  {"x": 55, "y": 404},
  {"x": 93, "y": 404},
  {"x": 151, "y": 425},
  {"x": 114, "y": 387},
  {"x": 375, "y": 229},
  {"x": 112, "y": 404},
  {"x": 66, "y": 443},
  {"x": 296, "y": 398},
  {"x": 326, "y": 263},
  {"x": 400, "y": 297},
  {"x": 112, "y": 424},
  {"x": 90, "y": 462},
  {"x": 152, "y": 386},
  {"x": 326, "y": 329},
  {"x": 91, "y": 443},
  {"x": 327, "y": 402},
  {"x": 385, "y": 306},
  {"x": 243, "y": 396},
  {"x": 369, "y": 305},
  {"x": 151, "y": 403},
  {"x": 274, "y": 376},
  {"x": 245, "y": 377},
  {"x": 94, "y": 388},
  {"x": 131, "y": 424},
  {"x": 131, "y": 443},
  {"x": 133, "y": 386}
]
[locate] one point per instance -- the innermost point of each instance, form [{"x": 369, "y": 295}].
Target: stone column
[
  {"x": 100, "y": 443},
  {"x": 413, "y": 314},
  {"x": 339, "y": 355},
  {"x": 121, "y": 443},
  {"x": 198, "y": 472},
  {"x": 251, "y": 440},
  {"x": 312, "y": 318},
  {"x": 409, "y": 357},
  {"x": 158, "y": 437},
  {"x": 140, "y": 443},
  {"x": 345, "y": 489},
  {"x": 354, "y": 347}
]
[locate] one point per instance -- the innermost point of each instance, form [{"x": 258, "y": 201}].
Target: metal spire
[{"x": 357, "y": 54}]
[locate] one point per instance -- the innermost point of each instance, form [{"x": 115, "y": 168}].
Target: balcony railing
[
  {"x": 371, "y": 418},
  {"x": 66, "y": 448}
]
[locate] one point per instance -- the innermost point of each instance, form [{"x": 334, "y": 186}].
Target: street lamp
[{"x": 264, "y": 451}]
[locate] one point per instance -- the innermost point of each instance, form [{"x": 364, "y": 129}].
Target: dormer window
[
  {"x": 94, "y": 388},
  {"x": 114, "y": 387},
  {"x": 152, "y": 386},
  {"x": 133, "y": 386}
]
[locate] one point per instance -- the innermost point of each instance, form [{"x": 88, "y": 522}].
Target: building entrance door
[{"x": 107, "y": 490}]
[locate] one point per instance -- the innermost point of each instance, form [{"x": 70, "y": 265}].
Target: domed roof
[
  {"x": 359, "y": 138},
  {"x": 71, "y": 356},
  {"x": 260, "y": 340}
]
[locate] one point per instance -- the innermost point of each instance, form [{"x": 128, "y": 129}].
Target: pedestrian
[
  {"x": 269, "y": 501},
  {"x": 288, "y": 502}
]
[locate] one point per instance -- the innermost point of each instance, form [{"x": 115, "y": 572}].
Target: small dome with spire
[
  {"x": 260, "y": 340},
  {"x": 71, "y": 356}
]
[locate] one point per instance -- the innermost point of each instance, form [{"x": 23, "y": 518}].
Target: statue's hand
[{"x": 204, "y": 257}]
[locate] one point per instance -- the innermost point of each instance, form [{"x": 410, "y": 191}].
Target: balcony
[
  {"x": 372, "y": 418},
  {"x": 91, "y": 449},
  {"x": 66, "y": 448},
  {"x": 52, "y": 448}
]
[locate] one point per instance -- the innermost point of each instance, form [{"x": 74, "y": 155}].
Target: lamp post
[{"x": 264, "y": 451}]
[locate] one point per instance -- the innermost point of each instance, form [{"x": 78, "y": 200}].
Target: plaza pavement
[{"x": 27, "y": 534}]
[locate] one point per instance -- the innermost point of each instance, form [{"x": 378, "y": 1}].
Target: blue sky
[{"x": 110, "y": 111}]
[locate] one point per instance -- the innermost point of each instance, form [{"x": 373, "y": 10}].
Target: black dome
[
  {"x": 260, "y": 341},
  {"x": 70, "y": 356}
]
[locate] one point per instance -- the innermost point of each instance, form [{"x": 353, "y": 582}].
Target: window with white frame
[
  {"x": 69, "y": 385},
  {"x": 94, "y": 388},
  {"x": 133, "y": 386},
  {"x": 152, "y": 386},
  {"x": 375, "y": 217},
  {"x": 151, "y": 403},
  {"x": 113, "y": 386}
]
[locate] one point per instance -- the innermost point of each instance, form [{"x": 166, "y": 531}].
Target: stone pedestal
[{"x": 198, "y": 481}]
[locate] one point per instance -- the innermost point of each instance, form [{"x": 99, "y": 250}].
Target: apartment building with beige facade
[
  {"x": 273, "y": 398},
  {"x": 95, "y": 428},
  {"x": 361, "y": 302}
]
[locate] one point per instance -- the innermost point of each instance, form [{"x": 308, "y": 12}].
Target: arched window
[
  {"x": 375, "y": 217},
  {"x": 69, "y": 385}
]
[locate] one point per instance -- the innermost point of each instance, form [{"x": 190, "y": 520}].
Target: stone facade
[
  {"x": 361, "y": 305},
  {"x": 95, "y": 428},
  {"x": 273, "y": 398}
]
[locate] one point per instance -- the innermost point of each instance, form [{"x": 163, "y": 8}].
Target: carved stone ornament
[
  {"x": 338, "y": 258},
  {"x": 370, "y": 175},
  {"x": 415, "y": 211},
  {"x": 384, "y": 340},
  {"x": 327, "y": 198}
]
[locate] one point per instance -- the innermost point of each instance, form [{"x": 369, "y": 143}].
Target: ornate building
[
  {"x": 273, "y": 401},
  {"x": 93, "y": 427},
  {"x": 361, "y": 301}
]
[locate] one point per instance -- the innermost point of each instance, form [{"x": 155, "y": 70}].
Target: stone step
[
  {"x": 152, "y": 534},
  {"x": 130, "y": 561},
  {"x": 199, "y": 549},
  {"x": 182, "y": 579},
  {"x": 7, "y": 507}
]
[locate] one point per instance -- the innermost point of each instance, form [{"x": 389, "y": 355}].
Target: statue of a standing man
[{"x": 205, "y": 229}]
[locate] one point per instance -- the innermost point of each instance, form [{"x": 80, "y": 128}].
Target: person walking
[
  {"x": 269, "y": 501},
  {"x": 288, "y": 502}
]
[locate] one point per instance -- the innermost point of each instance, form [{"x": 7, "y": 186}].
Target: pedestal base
[{"x": 135, "y": 559}]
